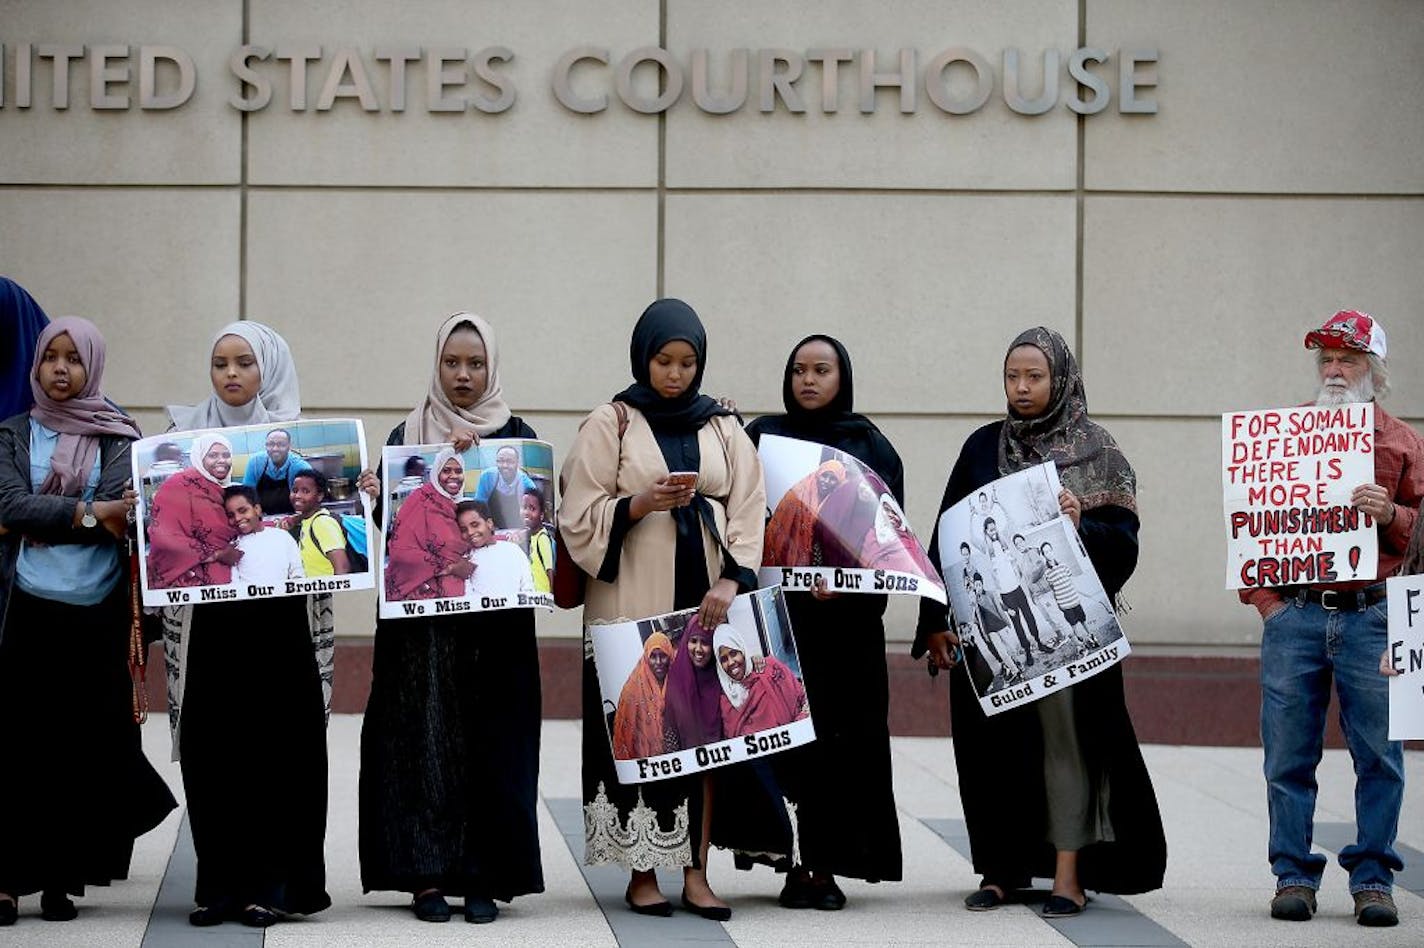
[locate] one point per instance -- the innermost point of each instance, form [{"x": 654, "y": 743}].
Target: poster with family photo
[
  {"x": 467, "y": 531},
  {"x": 679, "y": 698},
  {"x": 252, "y": 512},
  {"x": 1029, "y": 609},
  {"x": 834, "y": 520}
]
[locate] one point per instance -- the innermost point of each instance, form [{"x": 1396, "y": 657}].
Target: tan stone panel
[
  {"x": 1177, "y": 595},
  {"x": 925, "y": 291},
  {"x": 155, "y": 269},
  {"x": 536, "y": 142},
  {"x": 198, "y": 142},
  {"x": 1307, "y": 96},
  {"x": 1197, "y": 306},
  {"x": 993, "y": 147},
  {"x": 360, "y": 281}
]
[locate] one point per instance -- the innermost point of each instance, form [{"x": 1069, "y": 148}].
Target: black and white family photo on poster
[
  {"x": 679, "y": 698},
  {"x": 834, "y": 521},
  {"x": 467, "y": 531},
  {"x": 1031, "y": 615},
  {"x": 252, "y": 512}
]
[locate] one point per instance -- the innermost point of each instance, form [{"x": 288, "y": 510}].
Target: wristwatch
[{"x": 89, "y": 520}]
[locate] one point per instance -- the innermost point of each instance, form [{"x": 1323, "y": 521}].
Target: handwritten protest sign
[
  {"x": 1405, "y": 652},
  {"x": 1287, "y": 475}
]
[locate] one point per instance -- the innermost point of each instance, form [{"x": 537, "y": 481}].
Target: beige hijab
[{"x": 437, "y": 416}]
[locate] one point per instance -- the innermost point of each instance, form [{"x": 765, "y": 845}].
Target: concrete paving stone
[{"x": 1217, "y": 893}]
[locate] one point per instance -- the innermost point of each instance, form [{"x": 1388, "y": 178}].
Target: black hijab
[
  {"x": 665, "y": 321},
  {"x": 834, "y": 424}
]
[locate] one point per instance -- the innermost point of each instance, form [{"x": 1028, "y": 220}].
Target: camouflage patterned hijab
[{"x": 1090, "y": 463}]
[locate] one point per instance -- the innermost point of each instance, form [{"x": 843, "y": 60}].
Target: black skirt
[
  {"x": 841, "y": 782},
  {"x": 77, "y": 788},
  {"x": 450, "y": 757},
  {"x": 252, "y": 735}
]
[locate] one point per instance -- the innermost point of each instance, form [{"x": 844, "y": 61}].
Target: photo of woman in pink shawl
[
  {"x": 189, "y": 535},
  {"x": 425, "y": 557},
  {"x": 692, "y": 708},
  {"x": 889, "y": 544},
  {"x": 792, "y": 538},
  {"x": 759, "y": 693}
]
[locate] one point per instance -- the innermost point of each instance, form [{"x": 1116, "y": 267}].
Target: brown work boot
[
  {"x": 1375, "y": 909},
  {"x": 1293, "y": 903}
]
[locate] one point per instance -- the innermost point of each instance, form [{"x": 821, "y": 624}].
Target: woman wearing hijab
[
  {"x": 791, "y": 534},
  {"x": 190, "y": 539},
  {"x": 758, "y": 692},
  {"x": 1066, "y": 766},
  {"x": 425, "y": 557},
  {"x": 450, "y": 742},
  {"x": 23, "y": 321},
  {"x": 638, "y": 722},
  {"x": 78, "y": 789},
  {"x": 846, "y": 675},
  {"x": 245, "y": 693},
  {"x": 646, "y": 543},
  {"x": 692, "y": 713}
]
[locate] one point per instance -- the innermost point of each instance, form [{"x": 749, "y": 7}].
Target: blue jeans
[{"x": 1304, "y": 647}]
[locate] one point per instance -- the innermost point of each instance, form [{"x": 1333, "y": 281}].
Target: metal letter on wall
[
  {"x": 702, "y": 95},
  {"x": 1128, "y": 83},
  {"x": 563, "y": 88},
  {"x": 772, "y": 82},
  {"x": 830, "y": 60},
  {"x": 870, "y": 80},
  {"x": 299, "y": 56},
  {"x": 1078, "y": 69},
  {"x": 439, "y": 75},
  {"x": 484, "y": 71},
  {"x": 101, "y": 74},
  {"x": 623, "y": 80},
  {"x": 398, "y": 57},
  {"x": 938, "y": 88},
  {"x": 347, "y": 59},
  {"x": 1013, "y": 97},
  {"x": 61, "y": 54},
  {"x": 148, "y": 96},
  {"x": 246, "y": 75}
]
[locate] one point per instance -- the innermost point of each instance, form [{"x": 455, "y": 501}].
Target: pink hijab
[{"x": 82, "y": 419}]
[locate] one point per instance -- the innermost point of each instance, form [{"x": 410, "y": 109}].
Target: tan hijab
[{"x": 437, "y": 416}]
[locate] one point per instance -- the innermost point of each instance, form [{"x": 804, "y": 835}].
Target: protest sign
[
  {"x": 1405, "y": 651},
  {"x": 252, "y": 512},
  {"x": 467, "y": 531},
  {"x": 678, "y": 698},
  {"x": 1287, "y": 475},
  {"x": 835, "y": 521},
  {"x": 1029, "y": 609}
]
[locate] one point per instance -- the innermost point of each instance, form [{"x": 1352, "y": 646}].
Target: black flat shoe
[
  {"x": 9, "y": 911},
  {"x": 431, "y": 907},
  {"x": 655, "y": 909},
  {"x": 983, "y": 900},
  {"x": 206, "y": 916},
  {"x": 713, "y": 913},
  {"x": 828, "y": 897},
  {"x": 57, "y": 907},
  {"x": 1060, "y": 906},
  {"x": 480, "y": 911},
  {"x": 796, "y": 893},
  {"x": 258, "y": 917}
]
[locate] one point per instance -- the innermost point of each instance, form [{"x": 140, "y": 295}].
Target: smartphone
[{"x": 683, "y": 478}]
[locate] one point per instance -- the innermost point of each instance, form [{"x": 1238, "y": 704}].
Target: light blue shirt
[{"x": 80, "y": 574}]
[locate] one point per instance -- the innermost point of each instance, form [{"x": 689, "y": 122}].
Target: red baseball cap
[{"x": 1349, "y": 329}]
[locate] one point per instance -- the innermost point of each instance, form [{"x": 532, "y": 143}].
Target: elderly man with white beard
[{"x": 1337, "y": 631}]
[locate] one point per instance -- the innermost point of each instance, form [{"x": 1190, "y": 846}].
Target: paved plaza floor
[{"x": 1217, "y": 889}]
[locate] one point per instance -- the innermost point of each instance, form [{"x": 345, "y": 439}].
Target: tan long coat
[{"x": 599, "y": 470}]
